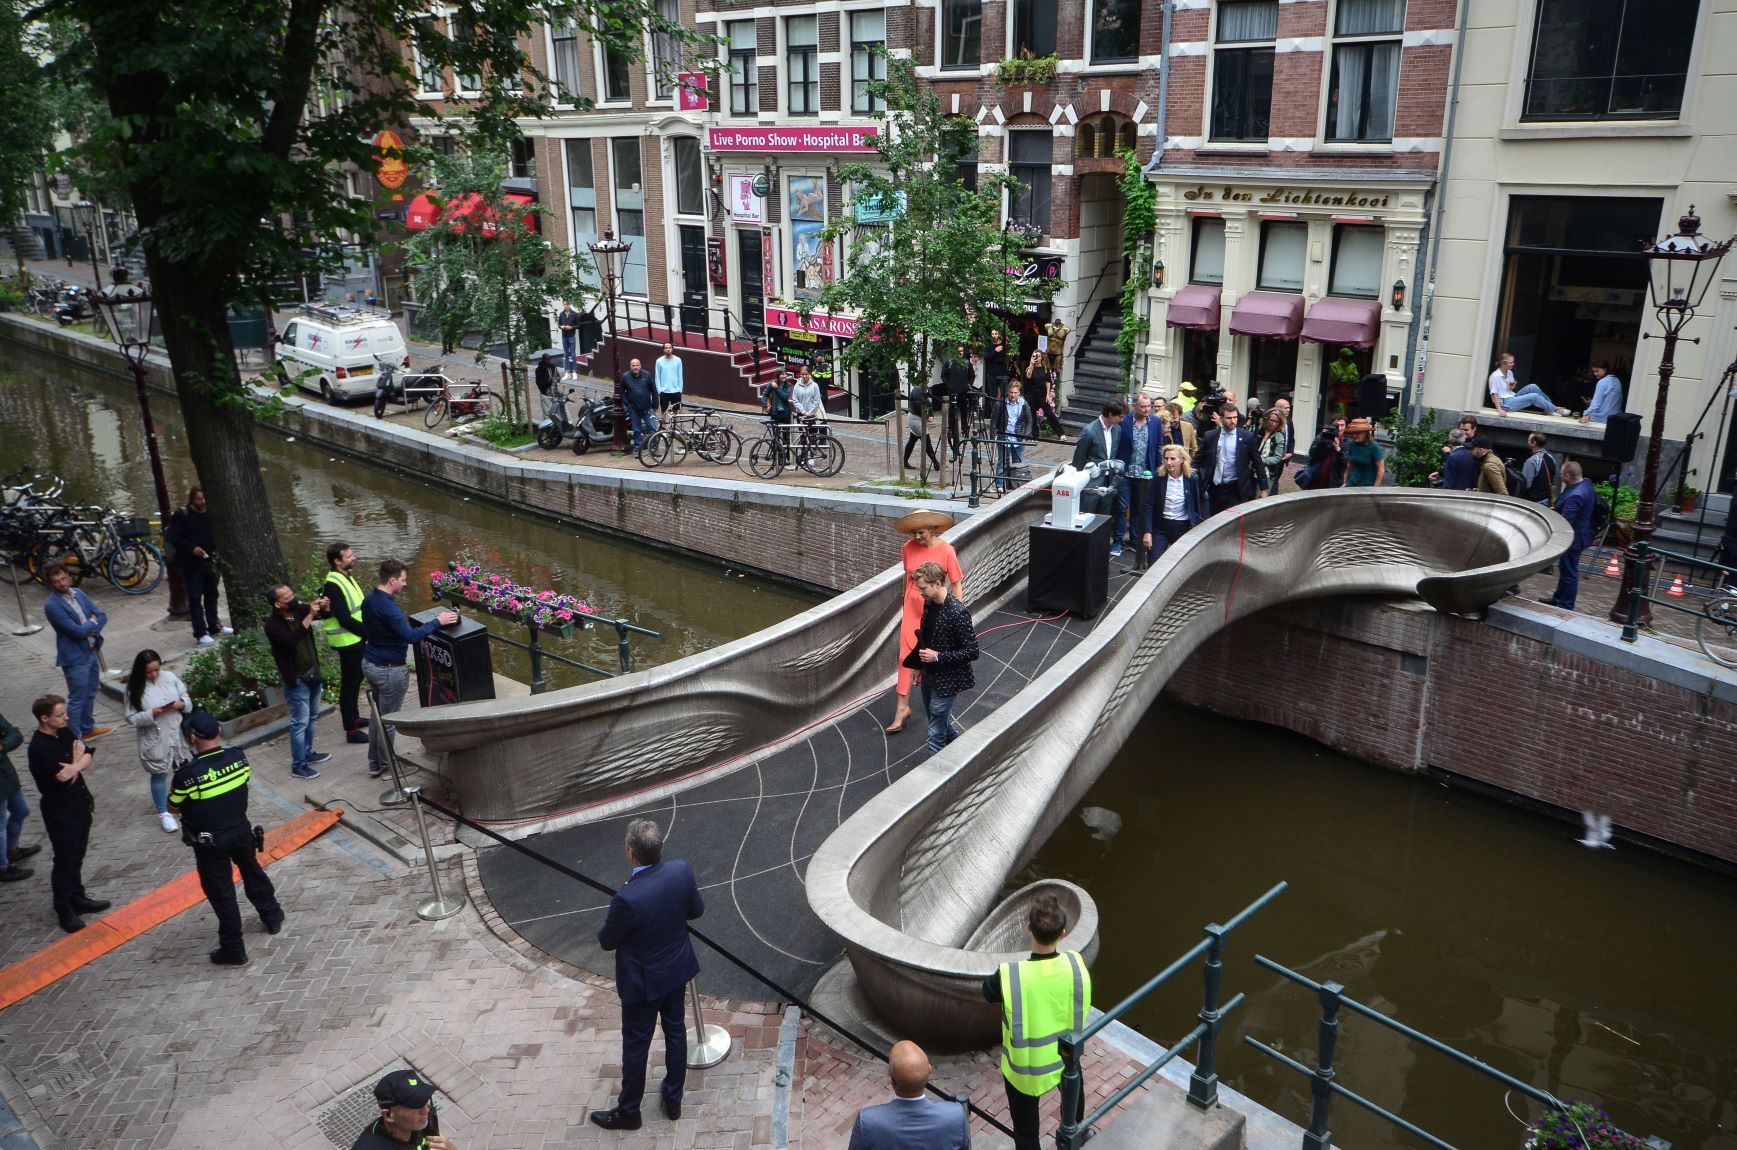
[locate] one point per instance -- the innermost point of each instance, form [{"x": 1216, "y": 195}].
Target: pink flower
[{"x": 564, "y": 615}]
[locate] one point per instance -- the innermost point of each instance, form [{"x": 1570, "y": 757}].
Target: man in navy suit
[
  {"x": 913, "y": 1119},
  {"x": 647, "y": 928},
  {"x": 78, "y": 641},
  {"x": 1229, "y": 464}
]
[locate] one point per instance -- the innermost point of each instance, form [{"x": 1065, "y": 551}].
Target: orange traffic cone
[
  {"x": 1677, "y": 586},
  {"x": 1614, "y": 567}
]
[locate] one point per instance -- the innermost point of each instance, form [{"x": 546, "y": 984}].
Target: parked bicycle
[
  {"x": 704, "y": 433},
  {"x": 808, "y": 444},
  {"x": 463, "y": 400},
  {"x": 37, "y": 532}
]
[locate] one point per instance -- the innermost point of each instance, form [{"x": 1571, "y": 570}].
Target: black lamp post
[
  {"x": 87, "y": 215},
  {"x": 606, "y": 252},
  {"x": 125, "y": 309},
  {"x": 1682, "y": 267}
]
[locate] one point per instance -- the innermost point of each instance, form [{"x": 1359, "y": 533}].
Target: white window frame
[
  {"x": 787, "y": 89},
  {"x": 1329, "y": 56},
  {"x": 1007, "y": 48},
  {"x": 639, "y": 245},
  {"x": 1010, "y": 163},
  {"x": 574, "y": 242},
  {"x": 1208, "y": 144},
  {"x": 599, "y": 54},
  {"x": 975, "y": 66},
  {"x": 423, "y": 91},
  {"x": 462, "y": 90},
  {"x": 661, "y": 89},
  {"x": 1089, "y": 37},
  {"x": 672, "y": 198},
  {"x": 730, "y": 56},
  {"x": 876, "y": 66},
  {"x": 578, "y": 90}
]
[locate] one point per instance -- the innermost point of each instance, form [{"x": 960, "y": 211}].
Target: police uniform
[
  {"x": 401, "y": 1088},
  {"x": 210, "y": 794},
  {"x": 1042, "y": 998}
]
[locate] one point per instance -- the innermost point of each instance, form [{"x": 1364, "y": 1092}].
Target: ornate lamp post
[
  {"x": 126, "y": 312},
  {"x": 606, "y": 252},
  {"x": 1682, "y": 267}
]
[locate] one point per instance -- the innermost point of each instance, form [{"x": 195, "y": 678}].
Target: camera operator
[{"x": 290, "y": 631}]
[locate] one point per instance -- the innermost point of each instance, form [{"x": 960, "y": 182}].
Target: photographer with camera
[
  {"x": 210, "y": 796},
  {"x": 290, "y": 631}
]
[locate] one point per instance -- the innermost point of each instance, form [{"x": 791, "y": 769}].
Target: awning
[
  {"x": 1195, "y": 306},
  {"x": 1347, "y": 322},
  {"x": 1269, "y": 315},
  {"x": 423, "y": 213}
]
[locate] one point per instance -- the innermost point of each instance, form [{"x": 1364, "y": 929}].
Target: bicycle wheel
[
  {"x": 814, "y": 456},
  {"x": 655, "y": 451},
  {"x": 48, "y": 552},
  {"x": 835, "y": 458},
  {"x": 765, "y": 461},
  {"x": 1716, "y": 631},
  {"x": 435, "y": 412},
  {"x": 722, "y": 445},
  {"x": 135, "y": 568}
]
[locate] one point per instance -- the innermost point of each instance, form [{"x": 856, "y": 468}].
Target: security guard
[
  {"x": 210, "y": 795},
  {"x": 407, "y": 1115},
  {"x": 344, "y": 635},
  {"x": 1042, "y": 998}
]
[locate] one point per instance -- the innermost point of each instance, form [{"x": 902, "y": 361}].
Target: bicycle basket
[{"x": 133, "y": 528}]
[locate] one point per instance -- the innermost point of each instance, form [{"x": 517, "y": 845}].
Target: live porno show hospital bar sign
[{"x": 790, "y": 139}]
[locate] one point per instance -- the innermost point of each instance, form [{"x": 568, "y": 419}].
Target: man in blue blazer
[
  {"x": 647, "y": 928},
  {"x": 1229, "y": 464},
  {"x": 914, "y": 1118},
  {"x": 78, "y": 639}
]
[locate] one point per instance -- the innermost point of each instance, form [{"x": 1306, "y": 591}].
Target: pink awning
[
  {"x": 1347, "y": 322},
  {"x": 1195, "y": 306},
  {"x": 1270, "y": 315}
]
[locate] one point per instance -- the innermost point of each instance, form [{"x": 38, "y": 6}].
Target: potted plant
[
  {"x": 1686, "y": 497},
  {"x": 545, "y": 610},
  {"x": 236, "y": 680},
  {"x": 1580, "y": 1126},
  {"x": 1624, "y": 504},
  {"x": 1026, "y": 69}
]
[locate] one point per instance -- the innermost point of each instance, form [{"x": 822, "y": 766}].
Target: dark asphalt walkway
[{"x": 749, "y": 835}]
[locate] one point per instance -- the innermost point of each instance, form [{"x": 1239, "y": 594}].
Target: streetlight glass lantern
[
  {"x": 126, "y": 310},
  {"x": 607, "y": 251},
  {"x": 1683, "y": 266}
]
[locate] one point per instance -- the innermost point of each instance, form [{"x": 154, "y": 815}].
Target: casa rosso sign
[
  {"x": 789, "y": 319},
  {"x": 1287, "y": 197},
  {"x": 790, "y": 139}
]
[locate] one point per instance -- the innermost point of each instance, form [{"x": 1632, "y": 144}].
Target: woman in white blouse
[{"x": 157, "y": 701}]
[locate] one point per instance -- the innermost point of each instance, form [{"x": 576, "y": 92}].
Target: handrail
[
  {"x": 1639, "y": 571},
  {"x": 1323, "y": 1085},
  {"x": 671, "y": 317},
  {"x": 1203, "y": 1084}
]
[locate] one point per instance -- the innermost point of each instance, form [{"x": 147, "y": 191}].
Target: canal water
[
  {"x": 1604, "y": 976},
  {"x": 86, "y": 428}
]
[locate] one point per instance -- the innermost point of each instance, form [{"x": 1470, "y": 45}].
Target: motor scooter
[
  {"x": 555, "y": 422},
  {"x": 72, "y": 306},
  {"x": 594, "y": 423}
]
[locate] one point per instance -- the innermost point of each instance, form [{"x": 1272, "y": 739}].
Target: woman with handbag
[{"x": 157, "y": 700}]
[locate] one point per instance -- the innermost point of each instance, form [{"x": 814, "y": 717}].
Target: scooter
[
  {"x": 73, "y": 305},
  {"x": 594, "y": 424},
  {"x": 408, "y": 390},
  {"x": 555, "y": 422}
]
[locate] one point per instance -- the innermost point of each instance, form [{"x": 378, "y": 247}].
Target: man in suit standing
[
  {"x": 78, "y": 642},
  {"x": 1098, "y": 442},
  {"x": 1228, "y": 463},
  {"x": 913, "y": 1118},
  {"x": 647, "y": 928},
  {"x": 1576, "y": 507}
]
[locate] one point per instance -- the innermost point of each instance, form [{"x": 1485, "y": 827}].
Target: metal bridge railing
[
  {"x": 1715, "y": 621},
  {"x": 1203, "y": 1085}
]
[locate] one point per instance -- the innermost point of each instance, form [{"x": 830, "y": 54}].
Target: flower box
[{"x": 477, "y": 590}]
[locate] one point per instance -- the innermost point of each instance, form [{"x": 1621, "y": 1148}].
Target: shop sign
[
  {"x": 1286, "y": 197},
  {"x": 772, "y": 139},
  {"x": 745, "y": 206},
  {"x": 819, "y": 323},
  {"x": 869, "y": 209},
  {"x": 768, "y": 265},
  {"x": 1037, "y": 269},
  {"x": 389, "y": 166},
  {"x": 715, "y": 261},
  {"x": 691, "y": 91}
]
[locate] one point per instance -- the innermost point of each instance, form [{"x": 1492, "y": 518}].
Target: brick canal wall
[{"x": 1555, "y": 710}]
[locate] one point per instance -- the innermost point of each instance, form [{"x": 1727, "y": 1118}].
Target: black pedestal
[
  {"x": 453, "y": 664},
  {"x": 1069, "y": 570}
]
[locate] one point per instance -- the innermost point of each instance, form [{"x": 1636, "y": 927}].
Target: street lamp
[
  {"x": 125, "y": 309},
  {"x": 87, "y": 215},
  {"x": 1681, "y": 267},
  {"x": 605, "y": 252}
]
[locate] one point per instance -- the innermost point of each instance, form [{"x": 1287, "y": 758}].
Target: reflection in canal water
[
  {"x": 1597, "y": 975},
  {"x": 87, "y": 428}
]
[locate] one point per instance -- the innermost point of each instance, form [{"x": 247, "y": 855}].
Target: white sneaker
[
  {"x": 169, "y": 823},
  {"x": 226, "y": 630},
  {"x": 206, "y": 641}
]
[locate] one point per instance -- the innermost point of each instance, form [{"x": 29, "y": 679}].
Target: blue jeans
[
  {"x": 81, "y": 693},
  {"x": 1010, "y": 454},
  {"x": 1567, "y": 577},
  {"x": 16, "y": 809},
  {"x": 569, "y": 347},
  {"x": 390, "y": 683},
  {"x": 160, "y": 791},
  {"x": 939, "y": 708},
  {"x": 642, "y": 424},
  {"x": 1530, "y": 396},
  {"x": 303, "y": 698}
]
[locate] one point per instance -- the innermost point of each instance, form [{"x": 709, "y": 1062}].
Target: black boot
[
  {"x": 70, "y": 922},
  {"x": 85, "y": 904}
]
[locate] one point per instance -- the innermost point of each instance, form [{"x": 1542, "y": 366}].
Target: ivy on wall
[{"x": 1139, "y": 221}]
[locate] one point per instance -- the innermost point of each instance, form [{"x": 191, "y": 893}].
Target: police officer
[
  {"x": 343, "y": 626},
  {"x": 1042, "y": 998},
  {"x": 407, "y": 1115},
  {"x": 210, "y": 796}
]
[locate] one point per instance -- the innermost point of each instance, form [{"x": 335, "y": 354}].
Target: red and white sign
[
  {"x": 745, "y": 206},
  {"x": 691, "y": 91},
  {"x": 789, "y": 319},
  {"x": 777, "y": 139}
]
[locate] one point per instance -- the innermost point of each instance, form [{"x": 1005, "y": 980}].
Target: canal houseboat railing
[{"x": 1203, "y": 1083}]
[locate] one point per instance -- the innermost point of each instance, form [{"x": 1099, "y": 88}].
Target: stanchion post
[
  {"x": 1203, "y": 1083},
  {"x": 439, "y": 906},
  {"x": 1070, "y": 1135},
  {"x": 708, "y": 1043},
  {"x": 621, "y": 648},
  {"x": 538, "y": 686},
  {"x": 394, "y": 797},
  {"x": 25, "y": 626},
  {"x": 1318, "y": 1136}
]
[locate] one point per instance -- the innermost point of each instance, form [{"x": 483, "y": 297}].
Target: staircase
[
  {"x": 1097, "y": 369},
  {"x": 1687, "y": 535},
  {"x": 714, "y": 369},
  {"x": 27, "y": 242}
]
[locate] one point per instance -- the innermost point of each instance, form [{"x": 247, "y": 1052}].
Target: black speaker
[
  {"x": 1372, "y": 398},
  {"x": 1069, "y": 570},
  {"x": 1621, "y": 437}
]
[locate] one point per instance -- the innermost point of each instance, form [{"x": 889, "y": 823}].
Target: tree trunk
[{"x": 219, "y": 425}]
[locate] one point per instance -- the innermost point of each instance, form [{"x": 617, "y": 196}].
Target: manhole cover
[{"x": 55, "y": 1078}]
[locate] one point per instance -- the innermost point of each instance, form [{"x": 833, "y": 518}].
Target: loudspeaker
[
  {"x": 1069, "y": 570},
  {"x": 1621, "y": 437},
  {"x": 1372, "y": 398}
]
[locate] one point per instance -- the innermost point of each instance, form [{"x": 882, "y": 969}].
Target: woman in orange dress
[{"x": 925, "y": 545}]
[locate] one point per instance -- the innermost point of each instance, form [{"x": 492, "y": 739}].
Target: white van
[{"x": 334, "y": 348}]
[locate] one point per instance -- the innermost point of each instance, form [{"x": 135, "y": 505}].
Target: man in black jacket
[
  {"x": 1229, "y": 464},
  {"x": 946, "y": 648},
  {"x": 343, "y": 626},
  {"x": 193, "y": 549},
  {"x": 958, "y": 377},
  {"x": 639, "y": 394}
]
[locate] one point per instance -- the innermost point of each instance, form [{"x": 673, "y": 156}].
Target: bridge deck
[{"x": 749, "y": 834}]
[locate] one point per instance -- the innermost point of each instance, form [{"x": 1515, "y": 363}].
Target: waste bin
[
  {"x": 247, "y": 328},
  {"x": 452, "y": 665}
]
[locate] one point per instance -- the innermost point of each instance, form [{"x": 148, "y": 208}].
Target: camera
[{"x": 1213, "y": 401}]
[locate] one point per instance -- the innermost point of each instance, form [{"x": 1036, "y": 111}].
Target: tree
[
  {"x": 232, "y": 119},
  {"x": 482, "y": 267},
  {"x": 943, "y": 267},
  {"x": 29, "y": 107}
]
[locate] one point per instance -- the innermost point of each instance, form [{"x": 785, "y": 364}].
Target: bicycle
[
  {"x": 1716, "y": 630},
  {"x": 814, "y": 449},
  {"x": 704, "y": 433},
  {"x": 466, "y": 400}
]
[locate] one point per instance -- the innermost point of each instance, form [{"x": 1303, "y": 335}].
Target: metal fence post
[
  {"x": 1318, "y": 1136},
  {"x": 535, "y": 649},
  {"x": 622, "y": 650},
  {"x": 377, "y": 729},
  {"x": 1071, "y": 1135},
  {"x": 975, "y": 499},
  {"x": 439, "y": 906},
  {"x": 1203, "y": 1084},
  {"x": 708, "y": 1043},
  {"x": 25, "y": 626},
  {"x": 1638, "y": 569}
]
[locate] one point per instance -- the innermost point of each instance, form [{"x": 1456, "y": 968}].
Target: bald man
[{"x": 913, "y": 1117}]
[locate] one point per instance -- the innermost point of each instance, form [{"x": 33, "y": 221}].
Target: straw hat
[{"x": 923, "y": 521}]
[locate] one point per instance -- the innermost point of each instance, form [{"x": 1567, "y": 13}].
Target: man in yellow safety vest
[
  {"x": 1042, "y": 998},
  {"x": 344, "y": 635}
]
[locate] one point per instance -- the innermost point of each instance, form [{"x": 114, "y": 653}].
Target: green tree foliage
[
  {"x": 230, "y": 124},
  {"x": 1416, "y": 447},
  {"x": 27, "y": 97},
  {"x": 1139, "y": 222},
  {"x": 937, "y": 274}
]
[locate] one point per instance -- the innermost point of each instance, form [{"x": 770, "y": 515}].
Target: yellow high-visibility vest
[
  {"x": 1042, "y": 999},
  {"x": 336, "y": 636}
]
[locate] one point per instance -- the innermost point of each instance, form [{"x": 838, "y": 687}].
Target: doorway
[
  {"x": 1199, "y": 356},
  {"x": 695, "y": 289},
  {"x": 1272, "y": 369},
  {"x": 752, "y": 301}
]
